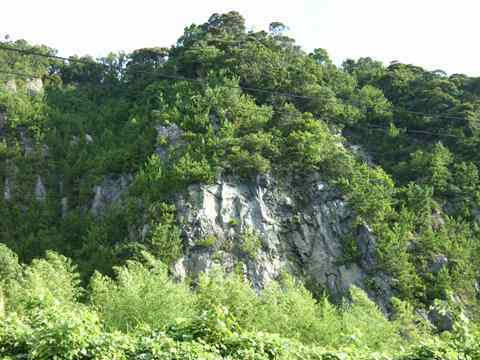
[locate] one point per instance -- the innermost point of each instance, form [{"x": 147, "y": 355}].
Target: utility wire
[
  {"x": 199, "y": 80},
  {"x": 173, "y": 77},
  {"x": 432, "y": 115},
  {"x": 386, "y": 130},
  {"x": 202, "y": 81},
  {"x": 36, "y": 53},
  {"x": 370, "y": 126},
  {"x": 31, "y": 76},
  {"x": 182, "y": 78}
]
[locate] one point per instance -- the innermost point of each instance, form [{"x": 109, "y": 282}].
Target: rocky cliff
[
  {"x": 261, "y": 227},
  {"x": 269, "y": 226}
]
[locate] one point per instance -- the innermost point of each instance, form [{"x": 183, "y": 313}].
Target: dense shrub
[
  {"x": 144, "y": 314},
  {"x": 140, "y": 294}
]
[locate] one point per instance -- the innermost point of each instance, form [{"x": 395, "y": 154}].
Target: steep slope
[{"x": 234, "y": 148}]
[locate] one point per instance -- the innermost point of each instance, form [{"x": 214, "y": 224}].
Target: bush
[
  {"x": 230, "y": 291},
  {"x": 166, "y": 242},
  {"x": 10, "y": 269},
  {"x": 207, "y": 242},
  {"x": 251, "y": 243},
  {"x": 287, "y": 309},
  {"x": 51, "y": 281},
  {"x": 140, "y": 294},
  {"x": 61, "y": 333},
  {"x": 364, "y": 325}
]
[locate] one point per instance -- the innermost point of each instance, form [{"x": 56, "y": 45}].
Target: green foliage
[
  {"x": 288, "y": 309},
  {"x": 58, "y": 333},
  {"x": 10, "y": 269},
  {"x": 49, "y": 281},
  {"x": 367, "y": 325},
  {"x": 370, "y": 193},
  {"x": 232, "y": 292},
  {"x": 69, "y": 334},
  {"x": 166, "y": 242},
  {"x": 207, "y": 242},
  {"x": 223, "y": 318},
  {"x": 95, "y": 122},
  {"x": 140, "y": 294},
  {"x": 251, "y": 243}
]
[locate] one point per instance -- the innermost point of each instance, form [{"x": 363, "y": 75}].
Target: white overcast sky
[{"x": 435, "y": 34}]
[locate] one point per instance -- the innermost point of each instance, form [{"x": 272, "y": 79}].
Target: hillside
[{"x": 236, "y": 197}]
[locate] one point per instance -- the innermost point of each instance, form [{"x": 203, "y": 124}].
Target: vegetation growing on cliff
[{"x": 246, "y": 103}]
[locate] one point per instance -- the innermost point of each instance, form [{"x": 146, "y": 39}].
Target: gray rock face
[
  {"x": 64, "y": 203},
  {"x": 108, "y": 192},
  {"x": 366, "y": 243},
  {"x": 300, "y": 226},
  {"x": 443, "y": 321},
  {"x": 27, "y": 143},
  {"x": 439, "y": 263},
  {"x": 11, "y": 85},
  {"x": 361, "y": 153},
  {"x": 40, "y": 191},
  {"x": 7, "y": 190},
  {"x": 167, "y": 136},
  {"x": 3, "y": 120},
  {"x": 34, "y": 86}
]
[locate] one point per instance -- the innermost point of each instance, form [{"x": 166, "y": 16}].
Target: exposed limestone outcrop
[
  {"x": 40, "y": 191},
  {"x": 366, "y": 244},
  {"x": 261, "y": 227},
  {"x": 169, "y": 135},
  {"x": 442, "y": 319},
  {"x": 34, "y": 86},
  {"x": 64, "y": 204},
  {"x": 439, "y": 263},
  {"x": 26, "y": 142},
  {"x": 359, "y": 151},
  {"x": 301, "y": 226},
  {"x": 11, "y": 85},
  {"x": 3, "y": 121},
  {"x": 7, "y": 190},
  {"x": 108, "y": 192}
]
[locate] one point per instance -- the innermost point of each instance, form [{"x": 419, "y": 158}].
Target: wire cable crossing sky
[
  {"x": 436, "y": 34},
  {"x": 200, "y": 80}
]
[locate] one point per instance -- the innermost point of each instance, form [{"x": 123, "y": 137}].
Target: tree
[
  {"x": 277, "y": 28},
  {"x": 231, "y": 23},
  {"x": 321, "y": 56}
]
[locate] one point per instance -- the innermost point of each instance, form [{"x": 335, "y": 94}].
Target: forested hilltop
[{"x": 234, "y": 197}]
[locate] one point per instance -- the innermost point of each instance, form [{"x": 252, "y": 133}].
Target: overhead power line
[
  {"x": 200, "y": 80},
  {"x": 36, "y": 53},
  {"x": 374, "y": 127},
  {"x": 412, "y": 131},
  {"x": 432, "y": 115},
  {"x": 30, "y": 76},
  {"x": 252, "y": 89}
]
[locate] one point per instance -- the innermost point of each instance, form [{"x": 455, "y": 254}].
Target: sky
[{"x": 435, "y": 34}]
